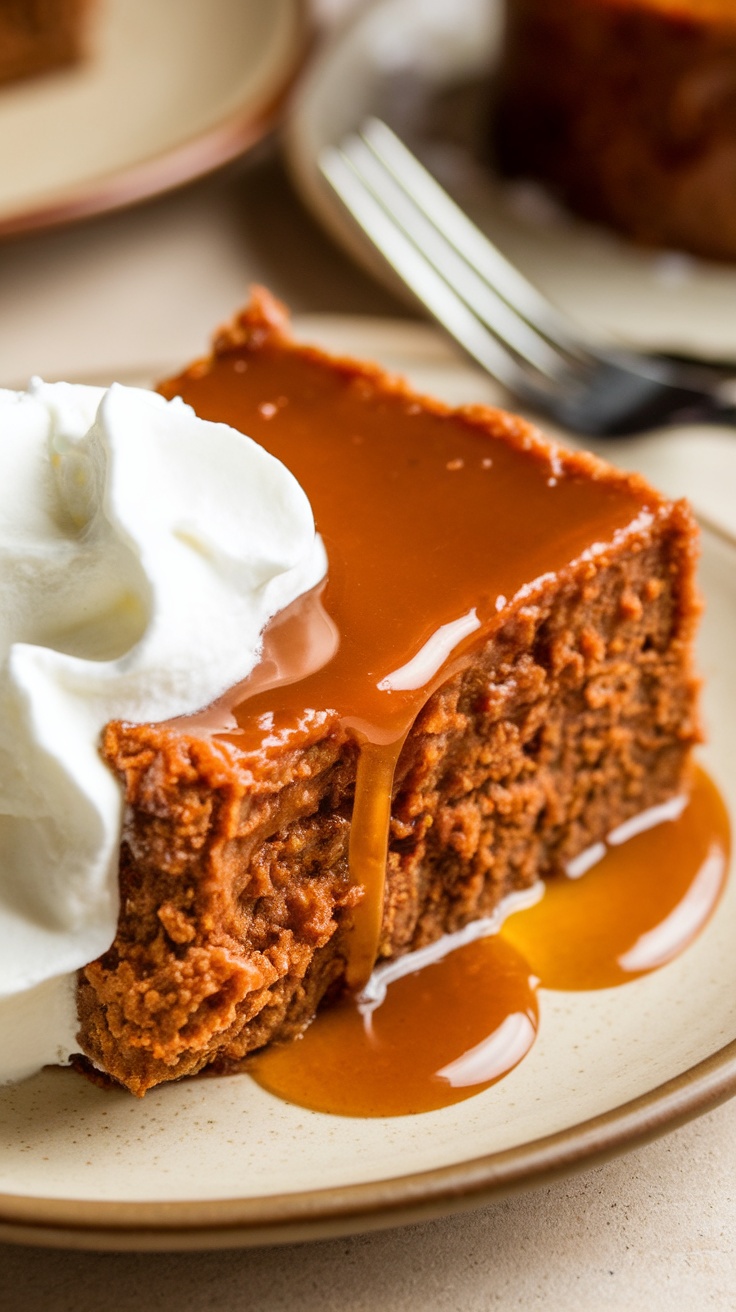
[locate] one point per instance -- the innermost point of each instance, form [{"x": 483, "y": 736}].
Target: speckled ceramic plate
[
  {"x": 217, "y": 1162},
  {"x": 169, "y": 91},
  {"x": 426, "y": 66}
]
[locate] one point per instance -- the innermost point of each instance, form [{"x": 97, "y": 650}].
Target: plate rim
[
  {"x": 168, "y": 170},
  {"x": 380, "y": 1204}
]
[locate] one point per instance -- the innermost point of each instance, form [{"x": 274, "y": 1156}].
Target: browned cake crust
[
  {"x": 38, "y": 35},
  {"x": 577, "y": 713},
  {"x": 628, "y": 109}
]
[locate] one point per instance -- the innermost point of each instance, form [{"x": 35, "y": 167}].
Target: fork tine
[
  {"x": 458, "y": 229},
  {"x": 428, "y": 286},
  {"x": 495, "y": 312}
]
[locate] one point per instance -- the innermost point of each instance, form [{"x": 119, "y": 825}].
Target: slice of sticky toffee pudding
[{"x": 496, "y": 674}]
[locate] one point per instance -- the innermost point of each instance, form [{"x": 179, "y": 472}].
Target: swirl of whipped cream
[{"x": 142, "y": 552}]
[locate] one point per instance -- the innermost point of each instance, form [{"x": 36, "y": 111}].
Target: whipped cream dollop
[{"x": 142, "y": 552}]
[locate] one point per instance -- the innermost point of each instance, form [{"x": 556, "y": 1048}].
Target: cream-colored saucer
[
  {"x": 169, "y": 91},
  {"x": 219, "y": 1162}
]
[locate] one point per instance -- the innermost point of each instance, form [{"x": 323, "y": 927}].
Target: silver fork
[{"x": 497, "y": 316}]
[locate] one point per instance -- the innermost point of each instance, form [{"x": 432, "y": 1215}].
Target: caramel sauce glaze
[
  {"x": 431, "y": 529},
  {"x": 442, "y": 1034}
]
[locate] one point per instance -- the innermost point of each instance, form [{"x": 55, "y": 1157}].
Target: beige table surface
[{"x": 654, "y": 1229}]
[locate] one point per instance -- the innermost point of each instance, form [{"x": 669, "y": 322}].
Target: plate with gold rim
[
  {"x": 87, "y": 1168},
  {"x": 200, "y": 84}
]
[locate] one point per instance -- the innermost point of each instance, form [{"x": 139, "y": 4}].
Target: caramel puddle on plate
[
  {"x": 423, "y": 1047},
  {"x": 639, "y": 906},
  {"x": 460, "y": 1023}
]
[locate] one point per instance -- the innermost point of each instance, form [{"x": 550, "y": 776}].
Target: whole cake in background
[
  {"x": 627, "y": 108},
  {"x": 39, "y": 35}
]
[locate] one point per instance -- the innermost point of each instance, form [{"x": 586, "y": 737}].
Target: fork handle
[{"x": 714, "y": 411}]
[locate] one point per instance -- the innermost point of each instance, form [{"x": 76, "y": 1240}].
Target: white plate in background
[
  {"x": 401, "y": 59},
  {"x": 168, "y": 92}
]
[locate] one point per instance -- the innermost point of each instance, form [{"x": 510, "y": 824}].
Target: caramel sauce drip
[
  {"x": 449, "y": 1030},
  {"x": 430, "y": 528},
  {"x": 442, "y": 1034}
]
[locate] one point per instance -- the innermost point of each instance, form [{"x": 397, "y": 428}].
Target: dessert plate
[
  {"x": 168, "y": 92},
  {"x": 426, "y": 67},
  {"x": 217, "y": 1162}
]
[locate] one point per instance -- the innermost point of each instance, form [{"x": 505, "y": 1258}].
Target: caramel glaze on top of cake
[
  {"x": 628, "y": 109},
  {"x": 552, "y": 602}
]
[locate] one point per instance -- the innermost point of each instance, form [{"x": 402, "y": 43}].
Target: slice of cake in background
[
  {"x": 627, "y": 109},
  {"x": 37, "y": 36}
]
